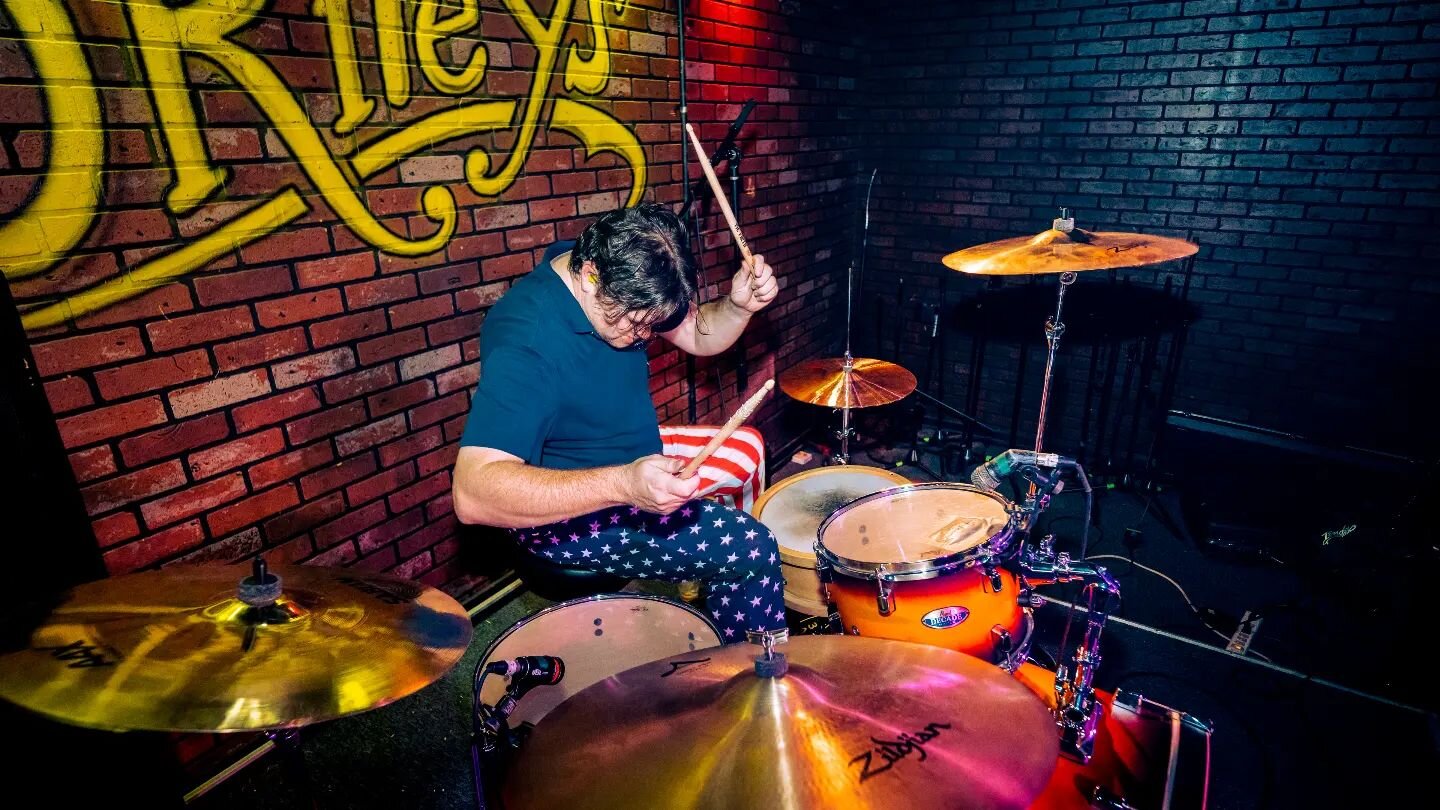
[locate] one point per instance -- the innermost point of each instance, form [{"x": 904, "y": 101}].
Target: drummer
[{"x": 562, "y": 445}]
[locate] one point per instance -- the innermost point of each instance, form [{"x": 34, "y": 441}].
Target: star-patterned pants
[{"x": 702, "y": 540}]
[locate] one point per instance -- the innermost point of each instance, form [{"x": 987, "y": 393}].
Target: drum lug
[
  {"x": 884, "y": 597},
  {"x": 1102, "y": 799},
  {"x": 1004, "y": 646},
  {"x": 993, "y": 574}
]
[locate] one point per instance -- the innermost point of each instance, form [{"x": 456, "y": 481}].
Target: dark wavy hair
[{"x": 642, "y": 256}]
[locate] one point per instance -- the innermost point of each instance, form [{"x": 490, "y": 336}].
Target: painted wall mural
[{"x": 173, "y": 42}]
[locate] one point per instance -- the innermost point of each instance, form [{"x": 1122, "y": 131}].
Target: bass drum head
[{"x": 596, "y": 637}]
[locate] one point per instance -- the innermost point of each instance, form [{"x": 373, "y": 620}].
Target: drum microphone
[
  {"x": 528, "y": 671},
  {"x": 988, "y": 475}
]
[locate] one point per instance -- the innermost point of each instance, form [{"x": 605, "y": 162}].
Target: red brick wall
[{"x": 294, "y": 382}]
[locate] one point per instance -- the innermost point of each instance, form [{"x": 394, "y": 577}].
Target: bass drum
[
  {"x": 596, "y": 637},
  {"x": 1147, "y": 755}
]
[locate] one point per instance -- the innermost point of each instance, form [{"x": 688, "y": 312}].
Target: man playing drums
[{"x": 562, "y": 445}]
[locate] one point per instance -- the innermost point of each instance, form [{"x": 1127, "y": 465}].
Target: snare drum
[
  {"x": 918, "y": 564},
  {"x": 596, "y": 637},
  {"x": 793, "y": 510}
]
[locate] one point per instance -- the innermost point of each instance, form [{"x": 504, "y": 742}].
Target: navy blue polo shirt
[{"x": 551, "y": 391}]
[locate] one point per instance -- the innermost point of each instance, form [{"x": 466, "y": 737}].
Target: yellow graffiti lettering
[
  {"x": 601, "y": 133},
  {"x": 546, "y": 38},
  {"x": 355, "y": 107},
  {"x": 433, "y": 130},
  {"x": 590, "y": 75},
  {"x": 203, "y": 28},
  {"x": 394, "y": 59},
  {"x": 255, "y": 224},
  {"x": 62, "y": 208},
  {"x": 430, "y": 31},
  {"x": 171, "y": 36}
]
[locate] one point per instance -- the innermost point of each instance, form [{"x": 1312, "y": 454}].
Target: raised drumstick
[
  {"x": 740, "y": 416},
  {"x": 719, "y": 193}
]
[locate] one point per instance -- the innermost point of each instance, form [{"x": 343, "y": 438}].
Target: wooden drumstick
[
  {"x": 740, "y": 416},
  {"x": 719, "y": 193}
]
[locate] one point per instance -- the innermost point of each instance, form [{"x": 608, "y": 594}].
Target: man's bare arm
[{"x": 499, "y": 489}]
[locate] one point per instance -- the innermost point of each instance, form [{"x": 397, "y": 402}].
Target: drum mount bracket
[{"x": 1077, "y": 712}]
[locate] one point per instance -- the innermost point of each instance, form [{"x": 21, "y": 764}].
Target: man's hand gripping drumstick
[{"x": 758, "y": 287}]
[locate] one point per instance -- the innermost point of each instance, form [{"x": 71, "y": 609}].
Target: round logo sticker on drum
[{"x": 941, "y": 618}]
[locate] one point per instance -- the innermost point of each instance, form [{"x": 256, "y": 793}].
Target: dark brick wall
[
  {"x": 1294, "y": 140},
  {"x": 299, "y": 388}
]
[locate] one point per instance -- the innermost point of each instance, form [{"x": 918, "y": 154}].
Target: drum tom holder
[{"x": 1077, "y": 712}]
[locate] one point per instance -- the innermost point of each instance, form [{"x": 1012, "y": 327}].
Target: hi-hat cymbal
[
  {"x": 866, "y": 384},
  {"x": 855, "y": 722},
  {"x": 1074, "y": 251},
  {"x": 176, "y": 650}
]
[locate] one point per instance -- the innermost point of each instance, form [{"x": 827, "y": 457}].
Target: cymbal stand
[
  {"x": 1054, "y": 329},
  {"x": 843, "y": 457}
]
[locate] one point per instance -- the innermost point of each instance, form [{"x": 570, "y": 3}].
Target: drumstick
[
  {"x": 740, "y": 416},
  {"x": 719, "y": 193}
]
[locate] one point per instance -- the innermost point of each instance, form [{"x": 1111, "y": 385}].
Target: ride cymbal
[
  {"x": 865, "y": 384},
  {"x": 854, "y": 723},
  {"x": 177, "y": 650},
  {"x": 1073, "y": 251}
]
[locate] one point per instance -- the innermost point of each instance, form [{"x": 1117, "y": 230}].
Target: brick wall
[
  {"x": 1294, "y": 140},
  {"x": 247, "y": 351}
]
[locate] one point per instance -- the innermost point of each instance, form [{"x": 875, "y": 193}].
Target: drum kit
[
  {"x": 917, "y": 690},
  {"x": 920, "y": 694}
]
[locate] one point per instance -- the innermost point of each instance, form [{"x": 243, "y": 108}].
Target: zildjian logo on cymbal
[{"x": 892, "y": 751}]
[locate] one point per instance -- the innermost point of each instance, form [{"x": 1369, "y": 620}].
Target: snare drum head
[
  {"x": 596, "y": 637},
  {"x": 915, "y": 524},
  {"x": 795, "y": 507}
]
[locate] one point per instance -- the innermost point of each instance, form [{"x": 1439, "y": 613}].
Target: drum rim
[
  {"x": 994, "y": 546},
  {"x": 599, "y": 597}
]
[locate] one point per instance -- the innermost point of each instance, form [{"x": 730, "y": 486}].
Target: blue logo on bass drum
[{"x": 941, "y": 618}]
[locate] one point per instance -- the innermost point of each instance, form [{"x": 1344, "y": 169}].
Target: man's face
[{"x": 627, "y": 330}]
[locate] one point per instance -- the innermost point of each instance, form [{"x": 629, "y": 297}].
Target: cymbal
[
  {"x": 855, "y": 722},
  {"x": 176, "y": 650},
  {"x": 1074, "y": 251},
  {"x": 868, "y": 383}
]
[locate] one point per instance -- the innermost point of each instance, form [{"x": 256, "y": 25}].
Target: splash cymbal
[
  {"x": 865, "y": 384},
  {"x": 854, "y": 723},
  {"x": 1073, "y": 251},
  {"x": 177, "y": 650}
]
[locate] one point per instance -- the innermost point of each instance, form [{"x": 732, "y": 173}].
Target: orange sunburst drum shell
[{"x": 925, "y": 542}]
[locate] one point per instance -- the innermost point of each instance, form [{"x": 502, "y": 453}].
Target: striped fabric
[{"x": 734, "y": 474}]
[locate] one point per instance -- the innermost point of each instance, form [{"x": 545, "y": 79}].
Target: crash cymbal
[
  {"x": 176, "y": 650},
  {"x": 1073, "y": 251},
  {"x": 866, "y": 384},
  {"x": 855, "y": 722}
]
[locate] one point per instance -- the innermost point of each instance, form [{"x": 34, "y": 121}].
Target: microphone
[
  {"x": 528, "y": 671},
  {"x": 988, "y": 475},
  {"x": 732, "y": 132}
]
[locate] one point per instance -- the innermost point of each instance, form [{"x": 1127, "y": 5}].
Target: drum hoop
[
  {"x": 992, "y": 548},
  {"x": 599, "y": 597}
]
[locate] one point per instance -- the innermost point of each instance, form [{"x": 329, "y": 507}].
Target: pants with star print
[{"x": 702, "y": 540}]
